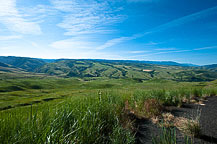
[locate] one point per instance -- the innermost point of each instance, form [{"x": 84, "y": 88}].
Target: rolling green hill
[
  {"x": 28, "y": 64},
  {"x": 138, "y": 70},
  {"x": 212, "y": 67},
  {"x": 125, "y": 69},
  {"x": 10, "y": 72},
  {"x": 8, "y": 68}
]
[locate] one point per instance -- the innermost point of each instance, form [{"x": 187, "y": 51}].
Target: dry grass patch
[
  {"x": 152, "y": 108},
  {"x": 168, "y": 120},
  {"x": 128, "y": 117},
  {"x": 189, "y": 127}
]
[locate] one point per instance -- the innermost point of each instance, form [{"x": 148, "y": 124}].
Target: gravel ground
[
  {"x": 146, "y": 130},
  {"x": 208, "y": 122}
]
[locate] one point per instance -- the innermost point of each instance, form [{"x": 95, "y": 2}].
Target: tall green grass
[
  {"x": 96, "y": 116},
  {"x": 168, "y": 136},
  {"x": 92, "y": 119}
]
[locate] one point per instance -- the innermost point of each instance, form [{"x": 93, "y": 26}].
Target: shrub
[
  {"x": 152, "y": 108},
  {"x": 197, "y": 92}
]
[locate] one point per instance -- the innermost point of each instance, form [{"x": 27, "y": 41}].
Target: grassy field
[{"x": 40, "y": 109}]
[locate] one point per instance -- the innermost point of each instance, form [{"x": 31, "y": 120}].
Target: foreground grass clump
[
  {"x": 92, "y": 119},
  {"x": 167, "y": 136}
]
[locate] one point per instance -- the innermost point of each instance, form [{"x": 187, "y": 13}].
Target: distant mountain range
[
  {"x": 34, "y": 62},
  {"x": 138, "y": 70},
  {"x": 169, "y": 63},
  {"x": 213, "y": 66}
]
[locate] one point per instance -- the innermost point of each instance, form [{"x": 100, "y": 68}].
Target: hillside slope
[
  {"x": 125, "y": 69},
  {"x": 8, "y": 68},
  {"x": 28, "y": 64},
  {"x": 212, "y": 67},
  {"x": 139, "y": 70}
]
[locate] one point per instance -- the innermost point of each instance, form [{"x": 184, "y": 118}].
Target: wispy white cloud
[
  {"x": 86, "y": 16},
  {"x": 79, "y": 48},
  {"x": 204, "y": 48},
  {"x": 116, "y": 41},
  {"x": 76, "y": 43},
  {"x": 159, "y": 53},
  {"x": 5, "y": 48},
  {"x": 14, "y": 21},
  {"x": 165, "y": 49},
  {"x": 136, "y": 52},
  {"x": 11, "y": 37},
  {"x": 151, "y": 43},
  {"x": 175, "y": 51},
  {"x": 143, "y": 1},
  {"x": 180, "y": 51},
  {"x": 112, "y": 42},
  {"x": 37, "y": 13},
  {"x": 186, "y": 19}
]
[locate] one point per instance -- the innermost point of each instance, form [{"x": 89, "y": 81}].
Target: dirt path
[
  {"x": 208, "y": 119},
  {"x": 208, "y": 122}
]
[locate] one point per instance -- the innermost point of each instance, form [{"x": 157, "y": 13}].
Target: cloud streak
[
  {"x": 76, "y": 43},
  {"x": 204, "y": 48},
  {"x": 171, "y": 24},
  {"x": 176, "y": 51},
  {"x": 165, "y": 49},
  {"x": 185, "y": 19},
  {"x": 14, "y": 21},
  {"x": 12, "y": 37},
  {"x": 141, "y": 1},
  {"x": 136, "y": 52},
  {"x": 113, "y": 42}
]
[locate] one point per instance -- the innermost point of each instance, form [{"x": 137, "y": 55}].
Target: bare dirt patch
[{"x": 147, "y": 70}]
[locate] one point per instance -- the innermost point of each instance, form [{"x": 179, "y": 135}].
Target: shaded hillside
[
  {"x": 210, "y": 67},
  {"x": 28, "y": 64},
  {"x": 8, "y": 68},
  {"x": 3, "y": 65}
]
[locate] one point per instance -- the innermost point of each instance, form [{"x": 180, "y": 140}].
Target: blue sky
[{"x": 157, "y": 30}]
